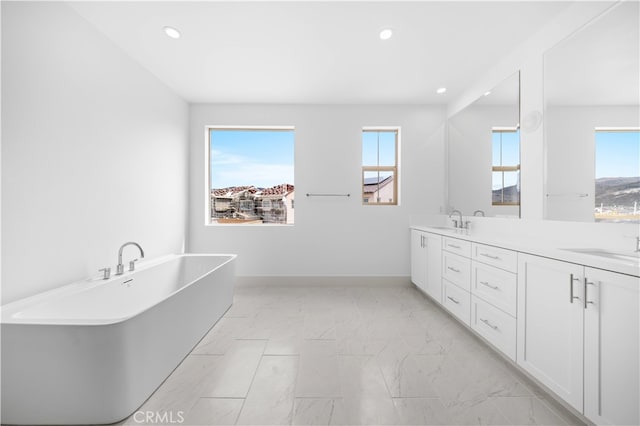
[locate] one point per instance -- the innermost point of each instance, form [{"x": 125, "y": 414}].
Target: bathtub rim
[{"x": 9, "y": 310}]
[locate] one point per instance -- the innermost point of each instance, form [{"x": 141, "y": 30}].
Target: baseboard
[{"x": 299, "y": 281}]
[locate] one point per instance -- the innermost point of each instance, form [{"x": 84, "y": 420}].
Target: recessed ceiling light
[
  {"x": 441, "y": 90},
  {"x": 386, "y": 34},
  {"x": 487, "y": 93},
  {"x": 172, "y": 32}
]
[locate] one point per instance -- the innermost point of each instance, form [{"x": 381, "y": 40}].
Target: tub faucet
[
  {"x": 478, "y": 211},
  {"x": 132, "y": 265},
  {"x": 456, "y": 223}
]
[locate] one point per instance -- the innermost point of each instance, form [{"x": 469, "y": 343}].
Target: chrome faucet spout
[
  {"x": 120, "y": 267},
  {"x": 457, "y": 223}
]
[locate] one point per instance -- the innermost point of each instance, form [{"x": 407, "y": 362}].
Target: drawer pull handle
[
  {"x": 453, "y": 300},
  {"x": 490, "y": 256},
  {"x": 457, "y": 271},
  {"x": 486, "y": 284},
  {"x": 495, "y": 327},
  {"x": 453, "y": 245}
]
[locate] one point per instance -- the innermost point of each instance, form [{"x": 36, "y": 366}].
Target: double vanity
[{"x": 568, "y": 318}]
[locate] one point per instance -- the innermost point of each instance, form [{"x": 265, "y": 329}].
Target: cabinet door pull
[
  {"x": 453, "y": 300},
  {"x": 453, "y": 245},
  {"x": 586, "y": 299},
  {"x": 486, "y": 284},
  {"x": 571, "y": 296},
  {"x": 490, "y": 256},
  {"x": 457, "y": 271},
  {"x": 495, "y": 327}
]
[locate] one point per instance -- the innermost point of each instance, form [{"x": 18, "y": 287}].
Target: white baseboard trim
[{"x": 303, "y": 281}]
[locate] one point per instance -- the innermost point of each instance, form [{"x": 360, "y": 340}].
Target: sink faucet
[
  {"x": 456, "y": 223},
  {"x": 132, "y": 265}
]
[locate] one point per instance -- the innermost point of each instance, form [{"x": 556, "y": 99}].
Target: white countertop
[{"x": 540, "y": 248}]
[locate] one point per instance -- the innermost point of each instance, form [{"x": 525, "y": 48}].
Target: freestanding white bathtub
[{"x": 93, "y": 352}]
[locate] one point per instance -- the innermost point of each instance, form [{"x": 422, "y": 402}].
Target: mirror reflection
[
  {"x": 592, "y": 121},
  {"x": 484, "y": 153}
]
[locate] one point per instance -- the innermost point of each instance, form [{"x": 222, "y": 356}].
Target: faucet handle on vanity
[
  {"x": 107, "y": 273},
  {"x": 132, "y": 264}
]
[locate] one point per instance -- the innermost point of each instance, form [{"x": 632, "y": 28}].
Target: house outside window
[
  {"x": 250, "y": 175},
  {"x": 505, "y": 166},
  {"x": 380, "y": 165}
]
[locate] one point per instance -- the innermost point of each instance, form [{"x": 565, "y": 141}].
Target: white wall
[
  {"x": 331, "y": 236},
  {"x": 94, "y": 152},
  {"x": 571, "y": 156}
]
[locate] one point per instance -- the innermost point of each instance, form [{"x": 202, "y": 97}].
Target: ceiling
[{"x": 315, "y": 52}]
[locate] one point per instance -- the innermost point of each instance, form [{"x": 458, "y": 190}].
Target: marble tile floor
[{"x": 351, "y": 355}]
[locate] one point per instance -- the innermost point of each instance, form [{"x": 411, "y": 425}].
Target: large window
[
  {"x": 250, "y": 175},
  {"x": 505, "y": 166},
  {"x": 617, "y": 174},
  {"x": 380, "y": 166}
]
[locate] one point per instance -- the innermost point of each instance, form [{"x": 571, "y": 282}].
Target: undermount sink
[{"x": 630, "y": 256}]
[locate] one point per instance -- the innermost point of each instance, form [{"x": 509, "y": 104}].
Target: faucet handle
[
  {"x": 132, "y": 264},
  {"x": 107, "y": 273}
]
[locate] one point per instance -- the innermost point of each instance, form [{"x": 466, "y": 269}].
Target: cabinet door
[
  {"x": 434, "y": 266},
  {"x": 612, "y": 341},
  {"x": 419, "y": 259},
  {"x": 550, "y": 325}
]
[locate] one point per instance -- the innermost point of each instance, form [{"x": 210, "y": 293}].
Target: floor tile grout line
[{"x": 244, "y": 400}]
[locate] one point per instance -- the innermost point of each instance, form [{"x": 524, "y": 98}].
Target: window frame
[
  {"x": 207, "y": 163},
  {"x": 502, "y": 169},
  {"x": 394, "y": 169}
]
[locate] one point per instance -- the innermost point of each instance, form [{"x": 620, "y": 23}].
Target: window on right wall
[
  {"x": 617, "y": 175},
  {"x": 505, "y": 167}
]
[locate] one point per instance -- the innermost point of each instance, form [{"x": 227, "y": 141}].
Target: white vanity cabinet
[
  {"x": 456, "y": 278},
  {"x": 494, "y": 291},
  {"x": 426, "y": 263},
  {"x": 611, "y": 346},
  {"x": 578, "y": 334},
  {"x": 550, "y": 324}
]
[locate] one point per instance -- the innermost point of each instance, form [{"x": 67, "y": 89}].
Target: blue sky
[
  {"x": 617, "y": 154},
  {"x": 510, "y": 148},
  {"x": 262, "y": 158},
  {"x": 387, "y": 148}
]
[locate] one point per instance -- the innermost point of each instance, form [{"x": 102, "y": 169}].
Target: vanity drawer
[
  {"x": 495, "y": 256},
  {"x": 496, "y": 286},
  {"x": 457, "y": 269},
  {"x": 454, "y": 245},
  {"x": 457, "y": 301},
  {"x": 494, "y": 325}
]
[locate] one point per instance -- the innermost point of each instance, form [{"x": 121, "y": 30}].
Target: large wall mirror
[
  {"x": 484, "y": 153},
  {"x": 592, "y": 121}
]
